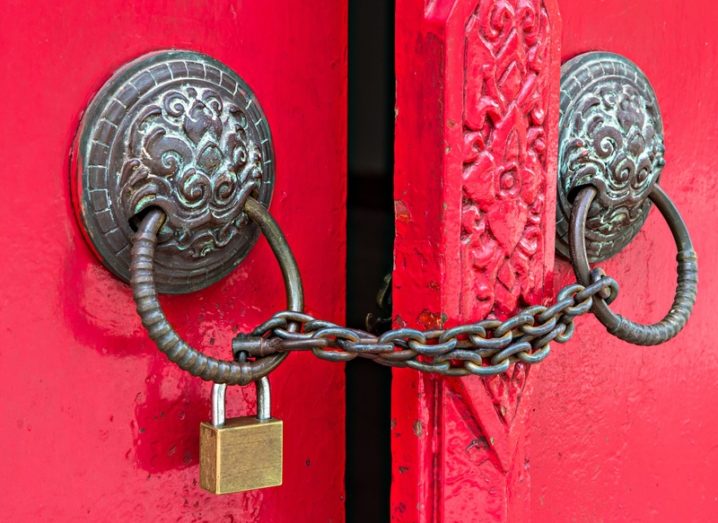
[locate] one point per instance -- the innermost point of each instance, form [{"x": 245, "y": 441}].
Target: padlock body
[{"x": 243, "y": 454}]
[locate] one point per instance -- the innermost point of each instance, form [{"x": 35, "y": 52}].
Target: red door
[
  {"x": 96, "y": 424},
  {"x": 601, "y": 430}
]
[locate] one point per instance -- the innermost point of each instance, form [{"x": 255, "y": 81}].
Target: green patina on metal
[{"x": 611, "y": 138}]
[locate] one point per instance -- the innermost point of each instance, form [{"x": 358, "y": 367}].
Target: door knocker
[
  {"x": 174, "y": 174},
  {"x": 610, "y": 159}
]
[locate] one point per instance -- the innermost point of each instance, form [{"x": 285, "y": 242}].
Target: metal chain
[{"x": 483, "y": 348}]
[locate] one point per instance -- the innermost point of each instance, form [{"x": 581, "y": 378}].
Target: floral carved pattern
[
  {"x": 507, "y": 64},
  {"x": 504, "y": 156},
  {"x": 485, "y": 73},
  {"x": 504, "y": 170},
  {"x": 190, "y": 154}
]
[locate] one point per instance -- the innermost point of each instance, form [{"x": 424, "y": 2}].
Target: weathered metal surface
[
  {"x": 482, "y": 348},
  {"x": 687, "y": 278},
  {"x": 142, "y": 269},
  {"x": 611, "y": 138},
  {"x": 179, "y": 131},
  {"x": 96, "y": 424},
  {"x": 144, "y": 291}
]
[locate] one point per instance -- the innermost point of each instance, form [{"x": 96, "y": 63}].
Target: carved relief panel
[{"x": 474, "y": 239}]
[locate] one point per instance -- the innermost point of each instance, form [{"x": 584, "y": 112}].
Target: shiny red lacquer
[
  {"x": 96, "y": 424},
  {"x": 626, "y": 433},
  {"x": 601, "y": 430}
]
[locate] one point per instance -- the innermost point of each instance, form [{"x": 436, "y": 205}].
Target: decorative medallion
[
  {"x": 611, "y": 137},
  {"x": 180, "y": 131}
]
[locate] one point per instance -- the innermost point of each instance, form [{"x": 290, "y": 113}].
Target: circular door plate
[
  {"x": 611, "y": 137},
  {"x": 180, "y": 131}
]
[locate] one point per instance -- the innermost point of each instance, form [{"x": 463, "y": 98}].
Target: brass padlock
[{"x": 244, "y": 453}]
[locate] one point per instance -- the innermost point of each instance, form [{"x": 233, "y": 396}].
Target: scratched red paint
[
  {"x": 95, "y": 424},
  {"x": 601, "y": 431}
]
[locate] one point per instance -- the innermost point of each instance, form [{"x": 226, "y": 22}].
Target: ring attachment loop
[
  {"x": 685, "y": 295},
  {"x": 161, "y": 331}
]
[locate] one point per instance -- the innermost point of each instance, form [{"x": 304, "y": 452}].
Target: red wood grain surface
[{"x": 95, "y": 423}]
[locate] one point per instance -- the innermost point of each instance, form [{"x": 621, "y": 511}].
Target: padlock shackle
[
  {"x": 263, "y": 398},
  {"x": 219, "y": 414},
  {"x": 219, "y": 403}
]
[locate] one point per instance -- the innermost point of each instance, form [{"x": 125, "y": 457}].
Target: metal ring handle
[
  {"x": 167, "y": 339},
  {"x": 685, "y": 297}
]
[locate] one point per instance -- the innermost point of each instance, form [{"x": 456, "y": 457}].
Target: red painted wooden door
[
  {"x": 96, "y": 424},
  {"x": 601, "y": 430}
]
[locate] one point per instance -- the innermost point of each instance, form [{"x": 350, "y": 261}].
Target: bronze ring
[
  {"x": 685, "y": 297},
  {"x": 167, "y": 339}
]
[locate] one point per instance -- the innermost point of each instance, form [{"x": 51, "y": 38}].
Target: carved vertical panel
[
  {"x": 504, "y": 164},
  {"x": 477, "y": 112}
]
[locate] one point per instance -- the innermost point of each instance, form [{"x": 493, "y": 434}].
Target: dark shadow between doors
[{"x": 370, "y": 233}]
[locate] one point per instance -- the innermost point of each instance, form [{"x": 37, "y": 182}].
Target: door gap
[{"x": 370, "y": 241}]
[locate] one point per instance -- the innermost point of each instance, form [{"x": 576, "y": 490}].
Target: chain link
[{"x": 483, "y": 348}]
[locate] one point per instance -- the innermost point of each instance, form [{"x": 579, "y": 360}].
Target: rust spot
[
  {"x": 403, "y": 470},
  {"x": 431, "y": 320},
  {"x": 418, "y": 428},
  {"x": 401, "y": 212}
]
